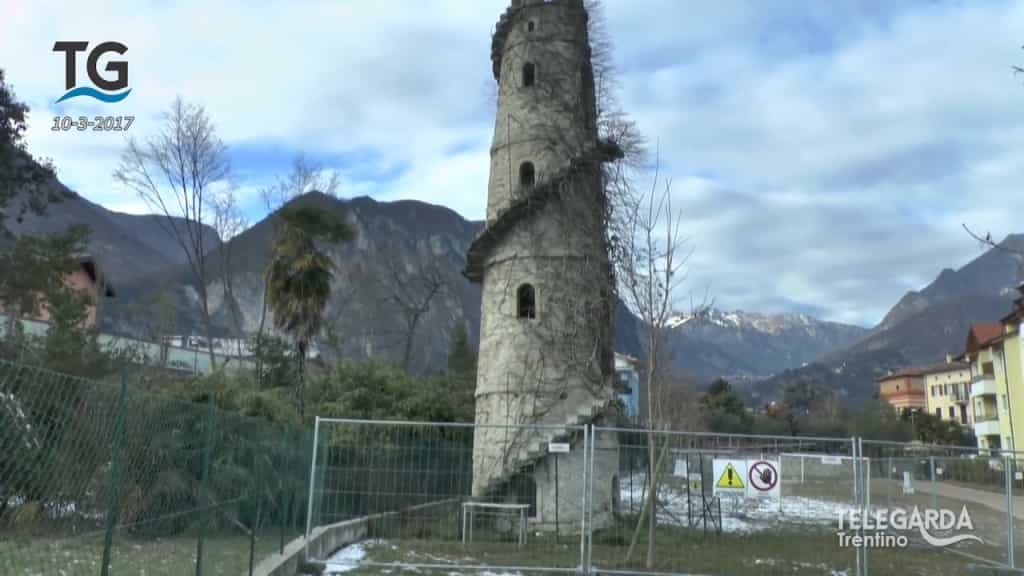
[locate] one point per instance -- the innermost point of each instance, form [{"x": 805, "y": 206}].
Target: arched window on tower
[
  {"x": 529, "y": 74},
  {"x": 527, "y": 175},
  {"x": 526, "y": 302}
]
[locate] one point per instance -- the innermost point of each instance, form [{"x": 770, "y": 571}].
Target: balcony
[
  {"x": 986, "y": 425},
  {"x": 983, "y": 385}
]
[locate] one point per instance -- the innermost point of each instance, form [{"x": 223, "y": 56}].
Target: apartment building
[
  {"x": 995, "y": 352},
  {"x": 947, "y": 391},
  {"x": 904, "y": 389}
]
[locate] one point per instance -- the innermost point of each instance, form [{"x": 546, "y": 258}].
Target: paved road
[{"x": 994, "y": 500}]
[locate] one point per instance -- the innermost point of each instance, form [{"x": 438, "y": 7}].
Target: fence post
[
  {"x": 587, "y": 479},
  {"x": 888, "y": 490},
  {"x": 113, "y": 508},
  {"x": 865, "y": 495},
  {"x": 252, "y": 535},
  {"x": 1009, "y": 513},
  {"x": 557, "y": 530},
  {"x": 931, "y": 465},
  {"x": 312, "y": 476},
  {"x": 867, "y": 479},
  {"x": 856, "y": 497},
  {"x": 203, "y": 496}
]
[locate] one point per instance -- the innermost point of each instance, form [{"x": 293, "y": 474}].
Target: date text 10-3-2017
[{"x": 97, "y": 123}]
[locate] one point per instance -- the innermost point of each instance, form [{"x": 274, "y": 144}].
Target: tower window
[
  {"x": 531, "y": 26},
  {"x": 529, "y": 74},
  {"x": 527, "y": 175},
  {"x": 526, "y": 302}
]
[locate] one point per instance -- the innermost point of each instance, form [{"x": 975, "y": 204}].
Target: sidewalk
[{"x": 994, "y": 500}]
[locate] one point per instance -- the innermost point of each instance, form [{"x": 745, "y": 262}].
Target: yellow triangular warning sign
[{"x": 730, "y": 478}]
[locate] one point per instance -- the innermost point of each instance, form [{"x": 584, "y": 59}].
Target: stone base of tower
[
  {"x": 554, "y": 485},
  {"x": 564, "y": 510}
]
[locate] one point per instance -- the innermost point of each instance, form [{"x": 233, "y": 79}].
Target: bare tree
[
  {"x": 650, "y": 259},
  {"x": 304, "y": 176},
  {"x": 228, "y": 222},
  {"x": 411, "y": 291},
  {"x": 179, "y": 173}
]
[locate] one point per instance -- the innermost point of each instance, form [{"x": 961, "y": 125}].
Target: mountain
[
  {"x": 994, "y": 274},
  {"x": 128, "y": 247},
  {"x": 394, "y": 242},
  {"x": 921, "y": 328},
  {"x": 741, "y": 345}
]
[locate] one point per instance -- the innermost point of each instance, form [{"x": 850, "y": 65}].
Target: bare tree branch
[
  {"x": 228, "y": 222},
  {"x": 304, "y": 176},
  {"x": 411, "y": 292},
  {"x": 178, "y": 173},
  {"x": 990, "y": 243}
]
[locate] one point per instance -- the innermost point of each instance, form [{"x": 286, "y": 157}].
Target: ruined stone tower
[{"x": 545, "y": 337}]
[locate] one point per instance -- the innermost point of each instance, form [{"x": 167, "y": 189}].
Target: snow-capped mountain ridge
[
  {"x": 747, "y": 345},
  {"x": 738, "y": 319}
]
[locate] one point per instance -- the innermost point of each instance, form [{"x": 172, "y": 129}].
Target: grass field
[
  {"x": 223, "y": 555},
  {"x": 796, "y": 553},
  {"x": 679, "y": 550}
]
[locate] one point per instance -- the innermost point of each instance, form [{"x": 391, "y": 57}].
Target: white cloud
[{"x": 826, "y": 153}]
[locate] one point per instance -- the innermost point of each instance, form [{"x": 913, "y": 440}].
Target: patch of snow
[
  {"x": 740, "y": 515},
  {"x": 347, "y": 559},
  {"x": 677, "y": 321}
]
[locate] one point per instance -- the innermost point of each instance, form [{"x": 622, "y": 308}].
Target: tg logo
[{"x": 107, "y": 87}]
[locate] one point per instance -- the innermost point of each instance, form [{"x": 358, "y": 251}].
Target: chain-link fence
[{"x": 104, "y": 478}]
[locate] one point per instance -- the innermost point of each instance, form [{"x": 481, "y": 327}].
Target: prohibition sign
[{"x": 763, "y": 476}]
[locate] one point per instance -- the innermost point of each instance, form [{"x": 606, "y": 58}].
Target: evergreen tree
[
  {"x": 723, "y": 410},
  {"x": 41, "y": 264},
  {"x": 461, "y": 356},
  {"x": 23, "y": 179}
]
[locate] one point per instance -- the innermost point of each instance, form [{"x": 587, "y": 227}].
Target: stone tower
[{"x": 546, "y": 359}]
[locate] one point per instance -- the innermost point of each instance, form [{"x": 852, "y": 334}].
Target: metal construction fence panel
[
  {"x": 723, "y": 504},
  {"x": 915, "y": 477},
  {"x": 102, "y": 478},
  {"x": 402, "y": 495}
]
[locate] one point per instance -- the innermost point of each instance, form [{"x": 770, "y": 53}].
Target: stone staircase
[{"x": 536, "y": 449}]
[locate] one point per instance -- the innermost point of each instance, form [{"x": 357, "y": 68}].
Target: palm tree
[{"x": 299, "y": 276}]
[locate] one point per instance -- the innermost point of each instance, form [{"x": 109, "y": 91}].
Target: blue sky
[{"x": 825, "y": 153}]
